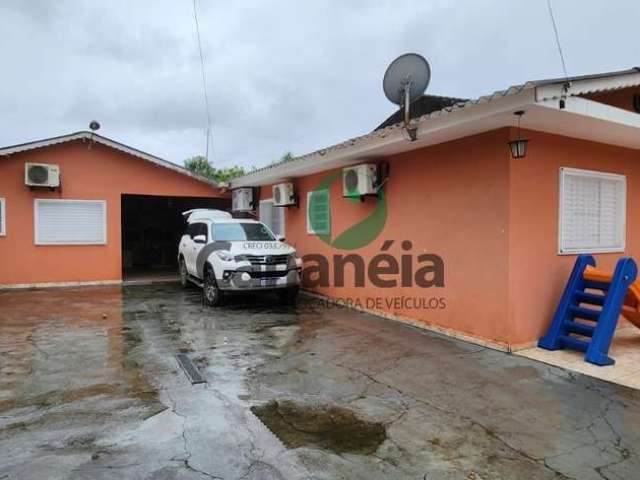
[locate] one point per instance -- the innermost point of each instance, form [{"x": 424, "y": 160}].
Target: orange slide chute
[{"x": 631, "y": 307}]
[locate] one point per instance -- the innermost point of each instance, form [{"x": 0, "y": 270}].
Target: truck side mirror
[{"x": 200, "y": 239}]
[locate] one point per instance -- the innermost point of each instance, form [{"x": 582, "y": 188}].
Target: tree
[
  {"x": 287, "y": 157},
  {"x": 226, "y": 174},
  {"x": 201, "y": 166}
]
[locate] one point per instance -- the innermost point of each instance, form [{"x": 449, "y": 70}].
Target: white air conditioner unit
[
  {"x": 360, "y": 180},
  {"x": 242, "y": 200},
  {"x": 283, "y": 195},
  {"x": 41, "y": 175}
]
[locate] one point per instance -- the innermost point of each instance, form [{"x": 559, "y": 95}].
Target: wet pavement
[{"x": 90, "y": 389}]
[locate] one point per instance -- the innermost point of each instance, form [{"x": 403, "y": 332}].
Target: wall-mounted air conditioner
[
  {"x": 283, "y": 195},
  {"x": 41, "y": 175},
  {"x": 242, "y": 200},
  {"x": 360, "y": 180}
]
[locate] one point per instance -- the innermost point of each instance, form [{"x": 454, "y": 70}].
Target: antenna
[
  {"x": 567, "y": 81},
  {"x": 204, "y": 79},
  {"x": 405, "y": 80}
]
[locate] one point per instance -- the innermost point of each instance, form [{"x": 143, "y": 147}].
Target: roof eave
[
  {"x": 587, "y": 84},
  {"x": 394, "y": 139},
  {"x": 383, "y": 140},
  {"x": 91, "y": 136}
]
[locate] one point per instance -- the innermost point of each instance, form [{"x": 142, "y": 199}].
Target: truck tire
[
  {"x": 184, "y": 274},
  {"x": 210, "y": 291}
]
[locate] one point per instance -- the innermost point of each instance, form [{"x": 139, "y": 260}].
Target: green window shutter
[{"x": 318, "y": 212}]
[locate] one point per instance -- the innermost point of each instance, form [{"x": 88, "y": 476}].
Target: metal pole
[{"x": 407, "y": 92}]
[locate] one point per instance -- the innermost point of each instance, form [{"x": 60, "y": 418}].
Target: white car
[{"x": 222, "y": 254}]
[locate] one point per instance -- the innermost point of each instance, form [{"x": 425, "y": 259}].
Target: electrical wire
[
  {"x": 204, "y": 79},
  {"x": 555, "y": 31}
]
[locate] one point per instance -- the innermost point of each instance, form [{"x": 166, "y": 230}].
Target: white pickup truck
[{"x": 222, "y": 255}]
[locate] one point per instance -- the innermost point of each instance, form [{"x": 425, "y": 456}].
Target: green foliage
[
  {"x": 287, "y": 157},
  {"x": 226, "y": 174},
  {"x": 201, "y": 166}
]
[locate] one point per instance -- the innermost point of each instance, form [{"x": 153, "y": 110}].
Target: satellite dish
[
  {"x": 409, "y": 70},
  {"x": 94, "y": 125},
  {"x": 405, "y": 80}
]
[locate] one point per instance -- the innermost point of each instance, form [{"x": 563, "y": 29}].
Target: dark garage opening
[{"x": 151, "y": 228}]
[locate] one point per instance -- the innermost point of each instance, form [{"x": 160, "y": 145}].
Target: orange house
[
  {"x": 84, "y": 209},
  {"x": 505, "y": 229}
]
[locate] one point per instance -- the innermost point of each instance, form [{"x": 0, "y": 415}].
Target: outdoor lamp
[{"x": 518, "y": 147}]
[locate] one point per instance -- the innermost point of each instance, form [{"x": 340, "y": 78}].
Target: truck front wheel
[
  {"x": 184, "y": 274},
  {"x": 210, "y": 290}
]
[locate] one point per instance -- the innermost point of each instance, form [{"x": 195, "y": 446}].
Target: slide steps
[{"x": 585, "y": 319}]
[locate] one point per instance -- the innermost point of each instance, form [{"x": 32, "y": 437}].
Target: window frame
[
  {"x": 3, "y": 217},
  {"x": 283, "y": 233},
  {"x": 202, "y": 229},
  {"x": 36, "y": 230},
  {"x": 623, "y": 213}
]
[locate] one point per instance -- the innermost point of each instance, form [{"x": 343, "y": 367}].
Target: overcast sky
[{"x": 282, "y": 75}]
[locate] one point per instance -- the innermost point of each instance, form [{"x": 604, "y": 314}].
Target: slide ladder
[{"x": 588, "y": 312}]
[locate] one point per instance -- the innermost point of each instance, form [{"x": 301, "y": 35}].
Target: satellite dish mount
[{"x": 405, "y": 80}]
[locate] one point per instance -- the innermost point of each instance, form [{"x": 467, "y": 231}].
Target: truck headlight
[
  {"x": 224, "y": 255},
  {"x": 241, "y": 258},
  {"x": 294, "y": 259}
]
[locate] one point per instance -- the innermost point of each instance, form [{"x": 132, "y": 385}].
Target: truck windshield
[{"x": 235, "y": 232}]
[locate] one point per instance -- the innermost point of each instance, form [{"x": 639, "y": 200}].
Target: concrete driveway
[{"x": 90, "y": 389}]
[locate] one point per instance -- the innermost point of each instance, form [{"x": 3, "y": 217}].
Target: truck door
[
  {"x": 202, "y": 237},
  {"x": 186, "y": 247},
  {"x": 198, "y": 238}
]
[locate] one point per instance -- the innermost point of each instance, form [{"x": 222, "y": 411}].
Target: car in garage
[{"x": 225, "y": 255}]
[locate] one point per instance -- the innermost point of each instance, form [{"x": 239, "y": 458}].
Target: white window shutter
[
  {"x": 592, "y": 211},
  {"x": 264, "y": 212},
  {"x": 273, "y": 217},
  {"x": 70, "y": 222},
  {"x": 277, "y": 221}
]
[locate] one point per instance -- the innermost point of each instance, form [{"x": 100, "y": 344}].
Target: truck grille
[
  {"x": 268, "y": 259},
  {"x": 269, "y": 273}
]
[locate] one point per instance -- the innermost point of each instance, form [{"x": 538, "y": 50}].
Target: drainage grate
[{"x": 190, "y": 369}]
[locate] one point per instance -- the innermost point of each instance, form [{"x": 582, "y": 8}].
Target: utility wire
[
  {"x": 555, "y": 31},
  {"x": 204, "y": 79}
]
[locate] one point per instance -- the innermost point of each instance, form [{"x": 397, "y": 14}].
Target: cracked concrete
[{"x": 90, "y": 389}]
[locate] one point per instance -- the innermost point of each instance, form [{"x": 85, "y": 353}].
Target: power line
[
  {"x": 555, "y": 31},
  {"x": 204, "y": 79}
]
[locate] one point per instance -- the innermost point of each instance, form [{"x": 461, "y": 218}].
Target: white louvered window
[
  {"x": 70, "y": 222},
  {"x": 272, "y": 217},
  {"x": 3, "y": 217},
  {"x": 592, "y": 211}
]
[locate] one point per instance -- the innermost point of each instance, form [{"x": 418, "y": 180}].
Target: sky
[{"x": 281, "y": 75}]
